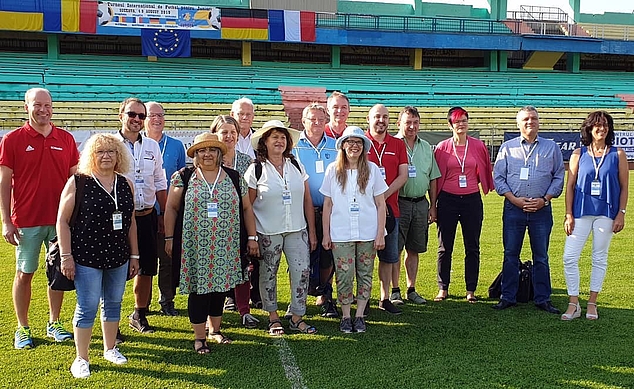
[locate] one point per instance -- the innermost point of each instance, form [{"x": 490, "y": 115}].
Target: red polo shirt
[
  {"x": 41, "y": 166},
  {"x": 329, "y": 132},
  {"x": 391, "y": 154}
]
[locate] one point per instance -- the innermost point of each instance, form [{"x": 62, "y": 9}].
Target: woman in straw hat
[
  {"x": 212, "y": 235},
  {"x": 282, "y": 205},
  {"x": 353, "y": 191}
]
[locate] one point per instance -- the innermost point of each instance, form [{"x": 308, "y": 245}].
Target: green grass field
[{"x": 451, "y": 344}]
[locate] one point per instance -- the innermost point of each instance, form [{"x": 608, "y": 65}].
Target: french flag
[{"x": 291, "y": 26}]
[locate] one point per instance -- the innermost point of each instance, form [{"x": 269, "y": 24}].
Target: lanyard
[
  {"x": 464, "y": 157},
  {"x": 318, "y": 151},
  {"x": 530, "y": 151},
  {"x": 411, "y": 156},
  {"x": 283, "y": 178},
  {"x": 114, "y": 189},
  {"x": 379, "y": 156},
  {"x": 211, "y": 189},
  {"x": 164, "y": 145},
  {"x": 594, "y": 162},
  {"x": 354, "y": 183}
]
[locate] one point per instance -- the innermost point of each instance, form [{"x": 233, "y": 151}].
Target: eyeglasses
[
  {"x": 133, "y": 115},
  {"x": 156, "y": 115},
  {"x": 358, "y": 143},
  {"x": 463, "y": 121},
  {"x": 101, "y": 153}
]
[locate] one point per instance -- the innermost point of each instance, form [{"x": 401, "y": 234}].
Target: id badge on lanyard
[
  {"x": 117, "y": 220},
  {"x": 319, "y": 166},
  {"x": 462, "y": 180},
  {"x": 383, "y": 174},
  {"x": 595, "y": 188},
  {"x": 212, "y": 210},
  {"x": 286, "y": 197},
  {"x": 411, "y": 171},
  {"x": 524, "y": 174},
  {"x": 354, "y": 219}
]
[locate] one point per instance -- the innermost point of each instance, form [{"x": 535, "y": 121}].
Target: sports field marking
[{"x": 293, "y": 374}]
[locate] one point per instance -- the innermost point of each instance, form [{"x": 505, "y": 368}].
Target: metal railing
[
  {"x": 537, "y": 13},
  {"x": 410, "y": 23}
]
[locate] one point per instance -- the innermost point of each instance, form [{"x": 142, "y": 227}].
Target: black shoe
[
  {"x": 329, "y": 309},
  {"x": 387, "y": 306},
  {"x": 503, "y": 304},
  {"x": 230, "y": 304},
  {"x": 168, "y": 309},
  {"x": 256, "y": 304},
  {"x": 548, "y": 307},
  {"x": 140, "y": 324},
  {"x": 120, "y": 338}
]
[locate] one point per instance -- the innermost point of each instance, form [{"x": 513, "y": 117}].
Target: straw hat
[
  {"x": 206, "y": 139},
  {"x": 272, "y": 125},
  {"x": 354, "y": 132}
]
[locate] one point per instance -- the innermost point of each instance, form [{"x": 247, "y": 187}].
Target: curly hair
[
  {"x": 88, "y": 159},
  {"x": 597, "y": 118},
  {"x": 262, "y": 154}
]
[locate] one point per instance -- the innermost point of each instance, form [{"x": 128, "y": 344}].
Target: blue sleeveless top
[{"x": 607, "y": 203}]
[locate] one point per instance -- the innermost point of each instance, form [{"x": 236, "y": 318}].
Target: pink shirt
[
  {"x": 454, "y": 171},
  {"x": 478, "y": 152}
]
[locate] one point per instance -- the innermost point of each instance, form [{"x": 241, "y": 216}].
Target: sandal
[
  {"x": 471, "y": 298},
  {"x": 275, "y": 328},
  {"x": 442, "y": 295},
  {"x": 203, "y": 349},
  {"x": 219, "y": 337},
  {"x": 592, "y": 316},
  {"x": 307, "y": 329}
]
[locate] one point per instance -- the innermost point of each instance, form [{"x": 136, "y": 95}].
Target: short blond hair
[{"x": 88, "y": 158}]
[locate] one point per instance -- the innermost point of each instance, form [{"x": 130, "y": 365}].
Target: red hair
[{"x": 455, "y": 113}]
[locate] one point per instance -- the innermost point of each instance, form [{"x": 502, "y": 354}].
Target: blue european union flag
[{"x": 166, "y": 43}]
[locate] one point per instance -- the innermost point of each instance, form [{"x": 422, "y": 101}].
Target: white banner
[
  {"x": 142, "y": 15},
  {"x": 625, "y": 140}
]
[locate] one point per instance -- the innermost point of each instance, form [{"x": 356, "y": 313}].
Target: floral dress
[{"x": 211, "y": 246}]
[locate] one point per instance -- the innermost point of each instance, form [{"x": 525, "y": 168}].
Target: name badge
[
  {"x": 319, "y": 166},
  {"x": 462, "y": 181},
  {"x": 411, "y": 171},
  {"x": 138, "y": 179},
  {"x": 286, "y": 197},
  {"x": 117, "y": 221},
  {"x": 212, "y": 210},
  {"x": 382, "y": 169},
  {"x": 524, "y": 173},
  {"x": 354, "y": 209},
  {"x": 595, "y": 188}
]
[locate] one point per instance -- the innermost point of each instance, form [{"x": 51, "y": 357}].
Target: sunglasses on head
[{"x": 133, "y": 115}]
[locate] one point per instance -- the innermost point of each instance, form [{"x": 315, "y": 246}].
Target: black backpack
[
  {"x": 258, "y": 167},
  {"x": 525, "y": 290}
]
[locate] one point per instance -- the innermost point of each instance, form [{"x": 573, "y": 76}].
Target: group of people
[{"x": 332, "y": 198}]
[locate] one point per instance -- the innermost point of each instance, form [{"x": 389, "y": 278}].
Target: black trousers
[{"x": 468, "y": 211}]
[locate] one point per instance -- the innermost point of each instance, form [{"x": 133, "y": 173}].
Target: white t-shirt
[
  {"x": 343, "y": 227},
  {"x": 243, "y": 145},
  {"x": 272, "y": 215}
]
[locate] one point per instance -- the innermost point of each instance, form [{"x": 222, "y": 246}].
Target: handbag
[
  {"x": 57, "y": 280},
  {"x": 525, "y": 290},
  {"x": 390, "y": 220}
]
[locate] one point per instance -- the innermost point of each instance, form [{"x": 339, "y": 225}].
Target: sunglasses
[{"x": 133, "y": 115}]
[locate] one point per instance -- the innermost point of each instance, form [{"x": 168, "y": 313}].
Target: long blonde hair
[
  {"x": 363, "y": 170},
  {"x": 88, "y": 158}
]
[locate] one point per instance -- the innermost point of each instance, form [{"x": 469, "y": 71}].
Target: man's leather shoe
[
  {"x": 548, "y": 307},
  {"x": 503, "y": 304}
]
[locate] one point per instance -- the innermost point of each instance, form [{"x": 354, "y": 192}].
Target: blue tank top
[{"x": 607, "y": 202}]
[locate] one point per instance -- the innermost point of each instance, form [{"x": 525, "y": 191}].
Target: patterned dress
[{"x": 211, "y": 246}]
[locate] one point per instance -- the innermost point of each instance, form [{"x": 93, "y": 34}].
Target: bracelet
[
  {"x": 64, "y": 259},
  {"x": 134, "y": 256},
  {"x": 169, "y": 237},
  {"x": 66, "y": 255}
]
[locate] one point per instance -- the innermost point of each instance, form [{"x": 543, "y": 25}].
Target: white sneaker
[
  {"x": 113, "y": 355},
  {"x": 80, "y": 368}
]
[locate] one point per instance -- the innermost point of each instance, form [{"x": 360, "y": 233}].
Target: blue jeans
[
  {"x": 515, "y": 223},
  {"x": 390, "y": 254},
  {"x": 93, "y": 285}
]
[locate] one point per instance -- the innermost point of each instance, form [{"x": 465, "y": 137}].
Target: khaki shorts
[
  {"x": 27, "y": 252},
  {"x": 413, "y": 225}
]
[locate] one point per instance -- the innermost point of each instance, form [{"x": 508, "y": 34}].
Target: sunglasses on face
[{"x": 132, "y": 115}]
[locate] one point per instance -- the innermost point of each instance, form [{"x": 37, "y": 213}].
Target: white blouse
[
  {"x": 343, "y": 227},
  {"x": 273, "y": 213}
]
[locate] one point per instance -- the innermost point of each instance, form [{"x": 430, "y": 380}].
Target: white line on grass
[{"x": 293, "y": 374}]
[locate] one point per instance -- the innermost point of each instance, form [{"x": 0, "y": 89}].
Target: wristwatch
[
  {"x": 546, "y": 201},
  {"x": 623, "y": 211},
  {"x": 253, "y": 237}
]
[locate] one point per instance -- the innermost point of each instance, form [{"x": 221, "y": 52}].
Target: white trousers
[{"x": 601, "y": 228}]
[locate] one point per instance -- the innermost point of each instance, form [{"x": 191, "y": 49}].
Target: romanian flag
[
  {"x": 291, "y": 26},
  {"x": 79, "y": 15},
  {"x": 244, "y": 24}
]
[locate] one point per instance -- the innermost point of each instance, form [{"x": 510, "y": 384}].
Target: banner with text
[
  {"x": 567, "y": 141},
  {"x": 144, "y": 15},
  {"x": 625, "y": 140}
]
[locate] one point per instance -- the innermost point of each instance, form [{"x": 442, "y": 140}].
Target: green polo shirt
[{"x": 422, "y": 157}]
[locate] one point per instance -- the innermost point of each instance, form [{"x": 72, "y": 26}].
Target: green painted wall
[
  {"x": 370, "y": 8},
  {"x": 454, "y": 10},
  {"x": 608, "y": 18}
]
